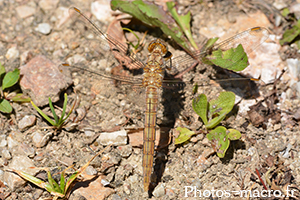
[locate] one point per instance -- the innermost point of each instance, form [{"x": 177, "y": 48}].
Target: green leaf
[
  {"x": 234, "y": 134},
  {"x": 285, "y": 12},
  {"x": 53, "y": 112},
  {"x": 43, "y": 114},
  {"x": 183, "y": 21},
  {"x": 2, "y": 71},
  {"x": 234, "y": 59},
  {"x": 210, "y": 42},
  {"x": 185, "y": 135},
  {"x": 10, "y": 79},
  {"x": 53, "y": 183},
  {"x": 290, "y": 34},
  {"x": 219, "y": 108},
  {"x": 219, "y": 140},
  {"x": 62, "y": 182},
  {"x": 61, "y": 120},
  {"x": 20, "y": 98},
  {"x": 152, "y": 15},
  {"x": 200, "y": 107},
  {"x": 5, "y": 106},
  {"x": 34, "y": 180}
]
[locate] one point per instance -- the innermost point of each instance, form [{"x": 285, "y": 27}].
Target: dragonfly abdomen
[{"x": 149, "y": 133}]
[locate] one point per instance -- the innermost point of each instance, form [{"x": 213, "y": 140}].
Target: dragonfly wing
[
  {"x": 103, "y": 43},
  {"x": 249, "y": 39}
]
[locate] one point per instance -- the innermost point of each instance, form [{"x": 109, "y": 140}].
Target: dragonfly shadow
[
  {"x": 238, "y": 83},
  {"x": 172, "y": 102}
]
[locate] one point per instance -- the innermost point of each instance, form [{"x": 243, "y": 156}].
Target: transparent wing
[{"x": 249, "y": 39}]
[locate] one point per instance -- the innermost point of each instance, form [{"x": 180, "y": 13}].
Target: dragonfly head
[{"x": 158, "y": 44}]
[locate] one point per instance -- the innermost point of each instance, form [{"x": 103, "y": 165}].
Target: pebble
[
  {"x": 28, "y": 150},
  {"x": 26, "y": 121},
  {"x": 89, "y": 132},
  {"x": 48, "y": 4},
  {"x": 3, "y": 141},
  {"x": 115, "y": 197},
  {"x": 127, "y": 188},
  {"x": 11, "y": 143},
  {"x": 25, "y": 11},
  {"x": 6, "y": 154},
  {"x": 101, "y": 10},
  {"x": 90, "y": 170},
  {"x": 39, "y": 139},
  {"x": 26, "y": 56},
  {"x": 12, "y": 53},
  {"x": 21, "y": 163},
  {"x": 117, "y": 138},
  {"x": 159, "y": 191},
  {"x": 125, "y": 151},
  {"x": 43, "y": 79},
  {"x": 43, "y": 28}
]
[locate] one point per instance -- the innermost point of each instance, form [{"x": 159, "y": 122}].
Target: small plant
[
  {"x": 58, "y": 123},
  {"x": 212, "y": 113},
  {"x": 175, "y": 25},
  {"x": 8, "y": 80},
  {"x": 291, "y": 35},
  {"x": 62, "y": 189}
]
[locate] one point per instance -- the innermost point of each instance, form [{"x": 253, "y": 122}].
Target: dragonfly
[{"x": 158, "y": 61}]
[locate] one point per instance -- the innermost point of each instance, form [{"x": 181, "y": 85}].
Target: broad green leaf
[
  {"x": 20, "y": 98},
  {"x": 219, "y": 140},
  {"x": 290, "y": 34},
  {"x": 5, "y": 106},
  {"x": 183, "y": 21},
  {"x": 219, "y": 108},
  {"x": 200, "y": 107},
  {"x": 2, "y": 72},
  {"x": 153, "y": 15},
  {"x": 185, "y": 135},
  {"x": 285, "y": 12},
  {"x": 234, "y": 59},
  {"x": 10, "y": 79},
  {"x": 234, "y": 134}
]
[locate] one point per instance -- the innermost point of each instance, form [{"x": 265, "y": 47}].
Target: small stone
[
  {"x": 26, "y": 121},
  {"x": 89, "y": 132},
  {"x": 127, "y": 188},
  {"x": 277, "y": 127},
  {"x": 159, "y": 191},
  {"x": 3, "y": 141},
  {"x": 115, "y": 197},
  {"x": 125, "y": 151},
  {"x": 21, "y": 163},
  {"x": 25, "y": 11},
  {"x": 11, "y": 143},
  {"x": 26, "y": 56},
  {"x": 12, "y": 53},
  {"x": 29, "y": 151},
  {"x": 43, "y": 28},
  {"x": 41, "y": 79},
  {"x": 39, "y": 139},
  {"x": 90, "y": 170},
  {"x": 48, "y": 4},
  {"x": 117, "y": 138},
  {"x": 101, "y": 10},
  {"x": 6, "y": 154}
]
